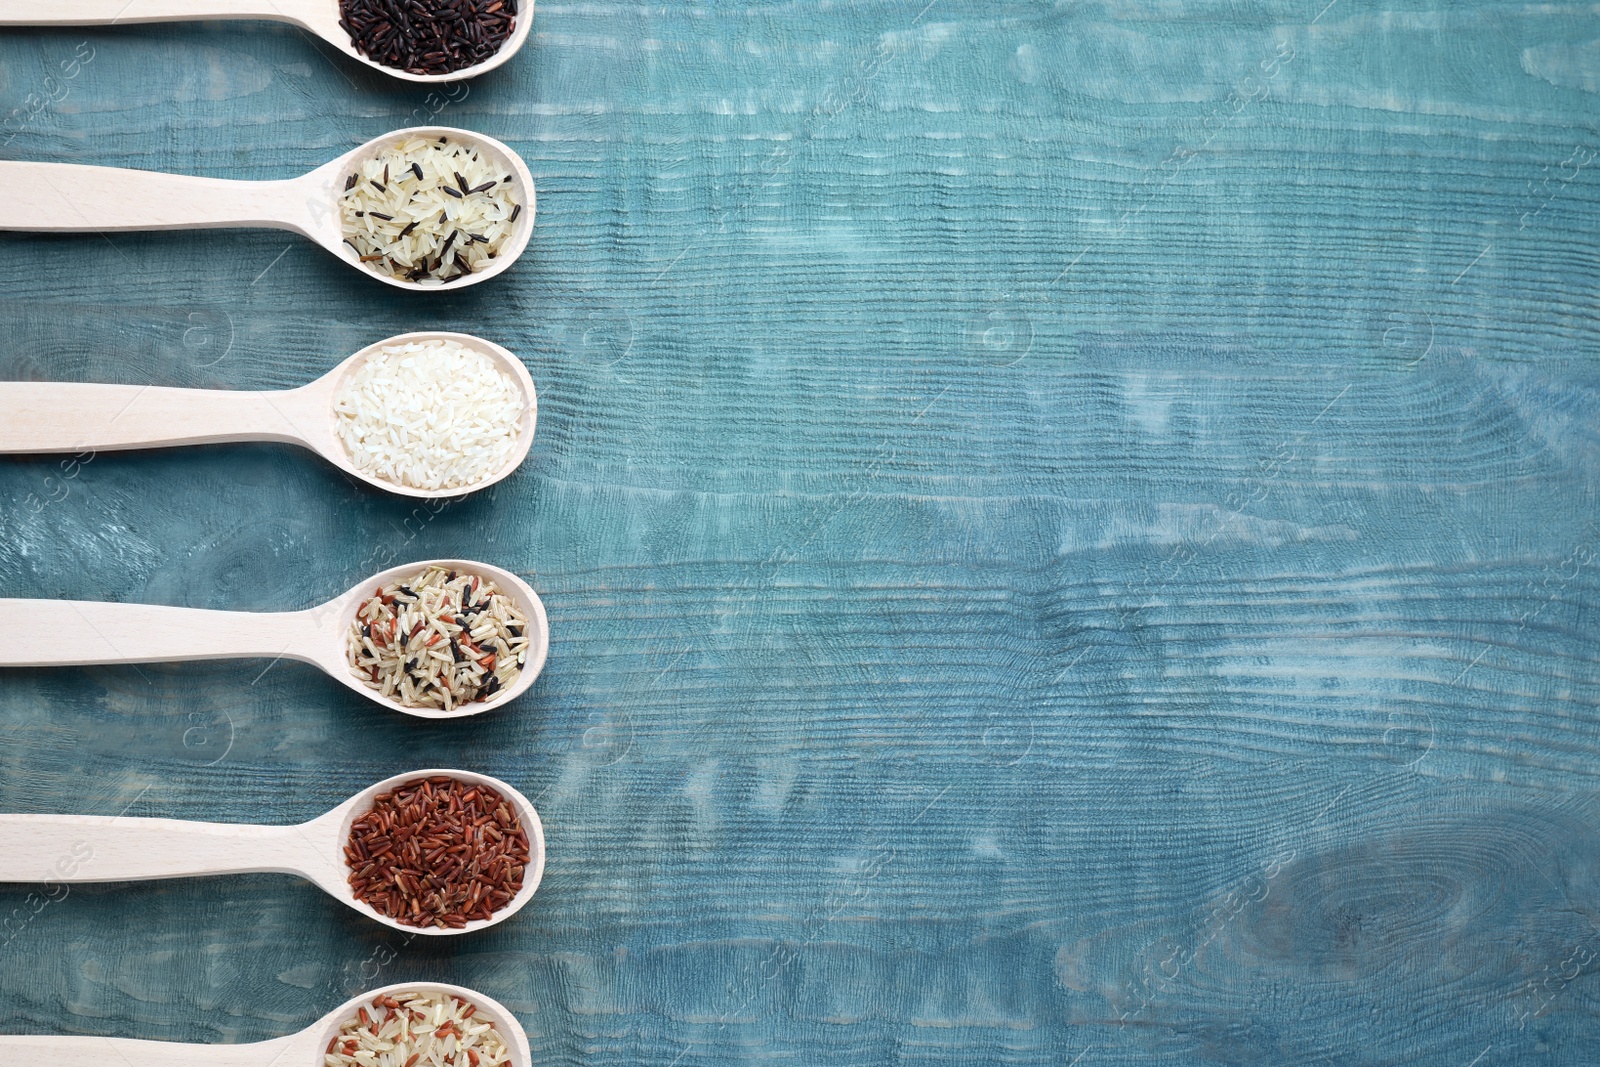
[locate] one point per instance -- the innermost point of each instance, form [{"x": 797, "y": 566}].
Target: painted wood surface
[{"x": 1069, "y": 532}]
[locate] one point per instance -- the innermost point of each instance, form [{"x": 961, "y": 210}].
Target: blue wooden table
[{"x": 1069, "y": 530}]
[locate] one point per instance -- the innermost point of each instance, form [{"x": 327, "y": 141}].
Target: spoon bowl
[
  {"x": 320, "y": 17},
  {"x": 73, "y": 198},
  {"x": 303, "y": 1049},
  {"x": 342, "y": 818},
  {"x": 122, "y": 849},
  {"x": 324, "y": 392},
  {"x": 344, "y": 609},
  {"x": 493, "y": 1011},
  {"x": 83, "y": 417},
  {"x": 58, "y": 633},
  {"x": 328, "y": 230}
]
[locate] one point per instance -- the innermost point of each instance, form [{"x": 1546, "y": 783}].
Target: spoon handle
[
  {"x": 81, "y": 1051},
  {"x": 75, "y": 417},
  {"x": 70, "y": 197},
  {"x": 104, "y": 12},
  {"x": 56, "y": 633},
  {"x": 61, "y": 849}
]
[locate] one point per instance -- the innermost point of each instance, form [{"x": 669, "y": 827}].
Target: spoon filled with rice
[
  {"x": 427, "y": 415},
  {"x": 420, "y": 1024},
  {"x": 431, "y": 41},
  {"x": 433, "y": 852},
  {"x": 440, "y": 639},
  {"x": 426, "y": 209}
]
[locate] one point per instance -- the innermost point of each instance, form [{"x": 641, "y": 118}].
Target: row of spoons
[
  {"x": 320, "y": 17},
  {"x": 76, "y": 198},
  {"x": 55, "y": 417}
]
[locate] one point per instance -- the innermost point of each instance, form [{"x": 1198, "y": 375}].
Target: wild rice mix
[
  {"x": 438, "y": 640},
  {"x": 431, "y": 414},
  {"x": 428, "y": 36},
  {"x": 428, "y": 211},
  {"x": 438, "y": 852},
  {"x": 417, "y": 1030}
]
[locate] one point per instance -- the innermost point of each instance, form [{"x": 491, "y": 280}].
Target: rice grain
[
  {"x": 430, "y": 415},
  {"x": 428, "y": 210},
  {"x": 417, "y": 1030},
  {"x": 438, "y": 640}
]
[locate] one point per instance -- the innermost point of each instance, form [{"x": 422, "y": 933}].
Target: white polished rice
[
  {"x": 429, "y": 415},
  {"x": 429, "y": 210},
  {"x": 417, "y": 1030}
]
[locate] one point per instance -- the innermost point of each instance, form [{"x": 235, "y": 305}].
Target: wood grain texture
[{"x": 1069, "y": 531}]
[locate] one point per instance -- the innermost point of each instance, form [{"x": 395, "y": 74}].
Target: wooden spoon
[
  {"x": 305, "y": 1049},
  {"x": 105, "y": 848},
  {"x": 73, "y": 198},
  {"x": 60, "y": 633},
  {"x": 81, "y": 417},
  {"x": 321, "y": 17}
]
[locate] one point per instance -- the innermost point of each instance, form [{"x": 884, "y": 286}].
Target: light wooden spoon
[
  {"x": 82, "y": 417},
  {"x": 61, "y": 849},
  {"x": 63, "y": 633},
  {"x": 321, "y": 17},
  {"x": 73, "y": 198},
  {"x": 305, "y": 1049}
]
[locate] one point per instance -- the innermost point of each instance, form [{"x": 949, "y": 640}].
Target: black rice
[{"x": 428, "y": 36}]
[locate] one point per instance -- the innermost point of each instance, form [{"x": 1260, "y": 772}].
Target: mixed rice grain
[
  {"x": 428, "y": 210},
  {"x": 440, "y": 639},
  {"x": 417, "y": 1030}
]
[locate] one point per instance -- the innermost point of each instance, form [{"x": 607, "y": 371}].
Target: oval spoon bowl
[
  {"x": 512, "y": 45},
  {"x": 521, "y": 593},
  {"x": 347, "y": 813},
  {"x": 498, "y": 1014},
  {"x": 333, "y": 176},
  {"x": 334, "y": 448}
]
